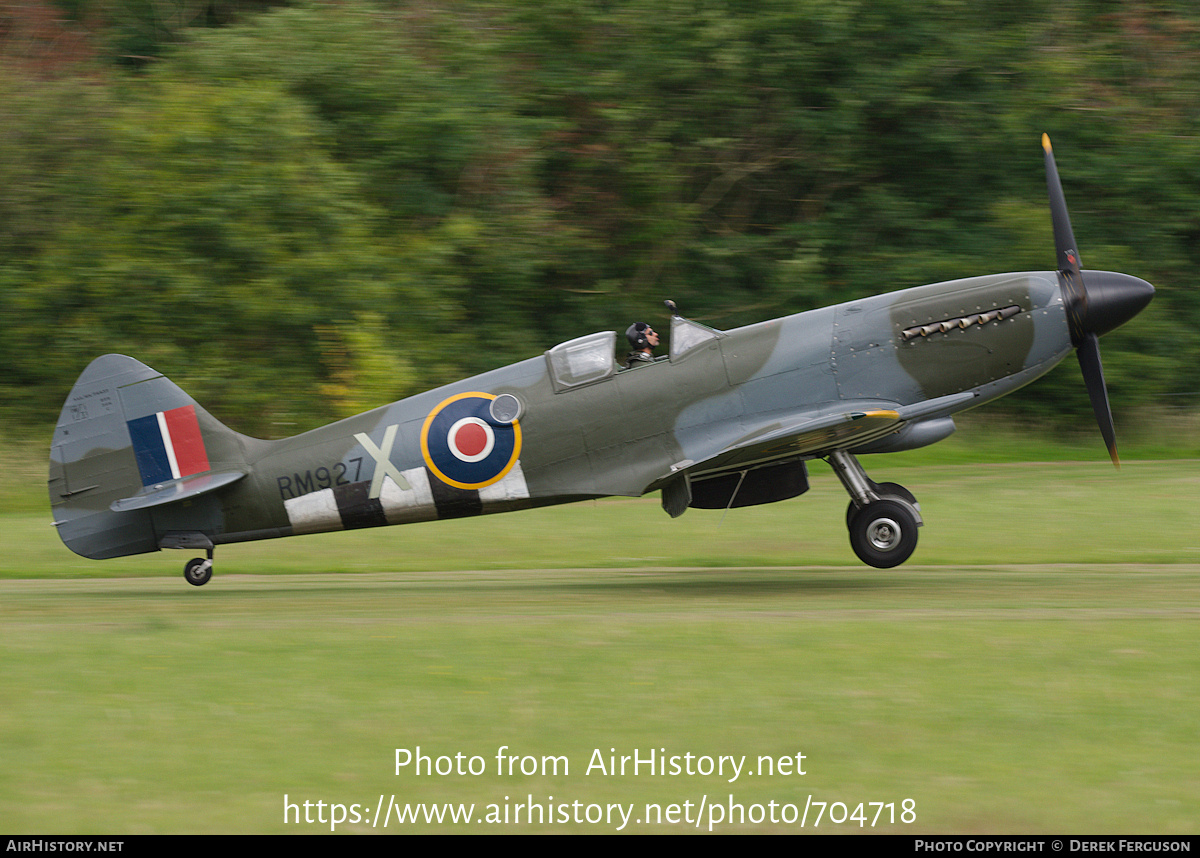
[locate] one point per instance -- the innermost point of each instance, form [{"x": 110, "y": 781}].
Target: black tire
[
  {"x": 889, "y": 490},
  {"x": 883, "y": 534},
  {"x": 197, "y": 571},
  {"x": 885, "y": 491}
]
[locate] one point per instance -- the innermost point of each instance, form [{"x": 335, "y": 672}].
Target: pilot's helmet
[{"x": 636, "y": 334}]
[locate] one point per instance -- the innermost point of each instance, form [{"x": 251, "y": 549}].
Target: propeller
[{"x": 1106, "y": 301}]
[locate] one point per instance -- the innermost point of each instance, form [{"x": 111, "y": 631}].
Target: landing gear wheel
[
  {"x": 885, "y": 491},
  {"x": 197, "y": 571},
  {"x": 883, "y": 534}
]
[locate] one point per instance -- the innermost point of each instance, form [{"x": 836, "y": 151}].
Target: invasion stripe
[{"x": 356, "y": 508}]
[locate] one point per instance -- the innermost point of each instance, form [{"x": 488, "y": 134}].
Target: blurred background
[{"x": 302, "y": 210}]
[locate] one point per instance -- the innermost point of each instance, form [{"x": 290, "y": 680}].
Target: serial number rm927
[{"x": 302, "y": 483}]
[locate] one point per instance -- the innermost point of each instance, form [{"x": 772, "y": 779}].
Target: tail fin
[{"x": 129, "y": 443}]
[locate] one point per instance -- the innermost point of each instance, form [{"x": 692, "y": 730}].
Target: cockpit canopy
[
  {"x": 583, "y": 360},
  {"x": 589, "y": 359},
  {"x": 687, "y": 335}
]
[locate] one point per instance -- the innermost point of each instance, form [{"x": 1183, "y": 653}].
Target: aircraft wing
[
  {"x": 841, "y": 426},
  {"x": 798, "y": 437}
]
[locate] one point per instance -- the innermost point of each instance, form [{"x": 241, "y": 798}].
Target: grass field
[{"x": 1033, "y": 669}]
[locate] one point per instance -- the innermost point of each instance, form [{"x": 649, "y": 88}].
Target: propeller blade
[
  {"x": 1110, "y": 301},
  {"x": 1074, "y": 292},
  {"x": 1093, "y": 376},
  {"x": 1064, "y": 237}
]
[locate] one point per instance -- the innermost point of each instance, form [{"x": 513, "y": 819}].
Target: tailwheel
[
  {"x": 883, "y": 533},
  {"x": 198, "y": 570}
]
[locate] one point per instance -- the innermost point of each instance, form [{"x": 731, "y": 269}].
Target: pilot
[{"x": 643, "y": 340}]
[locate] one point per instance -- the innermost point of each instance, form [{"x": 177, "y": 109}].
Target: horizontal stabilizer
[{"x": 177, "y": 490}]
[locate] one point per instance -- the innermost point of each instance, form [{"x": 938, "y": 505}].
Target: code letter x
[{"x": 383, "y": 461}]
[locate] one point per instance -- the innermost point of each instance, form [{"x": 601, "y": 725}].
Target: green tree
[
  {"x": 219, "y": 238},
  {"x": 375, "y": 192}
]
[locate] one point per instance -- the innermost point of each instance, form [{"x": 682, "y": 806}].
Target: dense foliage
[{"x": 300, "y": 211}]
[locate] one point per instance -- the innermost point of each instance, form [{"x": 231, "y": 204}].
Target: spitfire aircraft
[{"x": 727, "y": 419}]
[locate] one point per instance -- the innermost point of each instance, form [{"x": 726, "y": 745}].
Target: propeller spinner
[{"x": 1095, "y": 306}]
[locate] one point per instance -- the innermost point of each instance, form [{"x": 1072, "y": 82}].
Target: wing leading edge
[
  {"x": 767, "y": 464},
  {"x": 853, "y": 424}
]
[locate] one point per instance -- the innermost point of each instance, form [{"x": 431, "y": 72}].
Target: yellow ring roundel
[{"x": 464, "y": 446}]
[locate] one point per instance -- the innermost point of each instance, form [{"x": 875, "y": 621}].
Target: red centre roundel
[{"x": 470, "y": 439}]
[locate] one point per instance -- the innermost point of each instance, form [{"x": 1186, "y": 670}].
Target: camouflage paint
[{"x": 783, "y": 390}]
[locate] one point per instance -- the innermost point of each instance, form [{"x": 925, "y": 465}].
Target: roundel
[{"x": 464, "y": 445}]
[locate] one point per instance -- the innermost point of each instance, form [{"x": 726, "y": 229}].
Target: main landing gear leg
[
  {"x": 882, "y": 518},
  {"x": 198, "y": 570}
]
